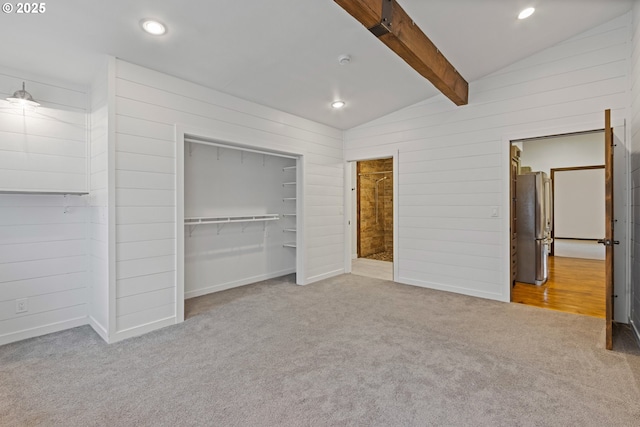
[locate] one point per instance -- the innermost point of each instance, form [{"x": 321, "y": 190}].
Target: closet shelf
[
  {"x": 288, "y": 183},
  {"x": 293, "y": 230},
  {"x": 289, "y": 168},
  {"x": 46, "y": 192},
  {"x": 288, "y": 198},
  {"x": 227, "y": 219},
  {"x": 289, "y": 214},
  {"x": 289, "y": 245}
]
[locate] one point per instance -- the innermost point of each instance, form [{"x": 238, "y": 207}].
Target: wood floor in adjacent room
[{"x": 575, "y": 285}]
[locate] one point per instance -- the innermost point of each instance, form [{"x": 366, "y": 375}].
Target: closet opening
[{"x": 238, "y": 217}]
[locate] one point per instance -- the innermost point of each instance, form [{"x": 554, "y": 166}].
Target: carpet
[{"x": 344, "y": 351}]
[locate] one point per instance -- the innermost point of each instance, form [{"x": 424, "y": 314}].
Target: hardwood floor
[{"x": 575, "y": 285}]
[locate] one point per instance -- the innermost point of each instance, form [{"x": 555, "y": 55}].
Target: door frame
[
  {"x": 348, "y": 185},
  {"x": 595, "y": 125}
]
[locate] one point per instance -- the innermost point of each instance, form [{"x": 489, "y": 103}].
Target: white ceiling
[{"x": 284, "y": 53}]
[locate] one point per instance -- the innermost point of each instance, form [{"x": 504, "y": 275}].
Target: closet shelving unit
[
  {"x": 193, "y": 222},
  {"x": 290, "y": 217}
]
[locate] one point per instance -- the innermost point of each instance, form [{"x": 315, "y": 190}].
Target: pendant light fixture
[{"x": 23, "y": 99}]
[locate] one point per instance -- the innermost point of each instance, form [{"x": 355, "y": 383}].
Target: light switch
[{"x": 494, "y": 212}]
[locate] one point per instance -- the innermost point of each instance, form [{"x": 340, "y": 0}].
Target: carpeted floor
[{"x": 345, "y": 351}]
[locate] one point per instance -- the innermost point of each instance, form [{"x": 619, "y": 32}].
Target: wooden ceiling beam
[{"x": 395, "y": 28}]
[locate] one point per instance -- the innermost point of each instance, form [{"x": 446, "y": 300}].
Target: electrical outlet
[{"x": 22, "y": 305}]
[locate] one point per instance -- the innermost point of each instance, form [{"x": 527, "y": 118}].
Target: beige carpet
[{"x": 345, "y": 351}]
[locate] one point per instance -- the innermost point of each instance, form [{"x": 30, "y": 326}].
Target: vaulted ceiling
[{"x": 284, "y": 53}]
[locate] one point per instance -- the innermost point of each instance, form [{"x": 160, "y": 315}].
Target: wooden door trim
[
  {"x": 553, "y": 195},
  {"x": 608, "y": 179},
  {"x": 358, "y": 209}
]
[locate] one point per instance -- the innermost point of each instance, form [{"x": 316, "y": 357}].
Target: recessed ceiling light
[
  {"x": 153, "y": 27},
  {"x": 526, "y": 13},
  {"x": 338, "y": 104}
]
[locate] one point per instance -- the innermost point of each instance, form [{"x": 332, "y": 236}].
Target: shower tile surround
[{"x": 376, "y": 237}]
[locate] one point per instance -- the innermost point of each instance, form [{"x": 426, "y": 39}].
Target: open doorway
[
  {"x": 373, "y": 218},
  {"x": 574, "y": 276}
]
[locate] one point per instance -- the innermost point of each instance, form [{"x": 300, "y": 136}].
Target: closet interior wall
[{"x": 246, "y": 202}]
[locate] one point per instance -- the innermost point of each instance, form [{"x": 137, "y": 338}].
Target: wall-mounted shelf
[
  {"x": 289, "y": 187},
  {"x": 221, "y": 221},
  {"x": 45, "y": 192}
]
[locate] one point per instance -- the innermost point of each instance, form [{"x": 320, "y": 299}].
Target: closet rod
[
  {"x": 231, "y": 147},
  {"x": 374, "y": 173}
]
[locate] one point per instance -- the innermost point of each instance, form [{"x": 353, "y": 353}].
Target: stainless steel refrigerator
[{"x": 534, "y": 220}]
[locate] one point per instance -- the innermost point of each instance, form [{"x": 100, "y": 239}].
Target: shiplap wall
[
  {"x": 43, "y": 238},
  {"x": 148, "y": 106},
  {"x": 453, "y": 167},
  {"x": 44, "y": 149},
  {"x": 635, "y": 170},
  {"x": 99, "y": 205}
]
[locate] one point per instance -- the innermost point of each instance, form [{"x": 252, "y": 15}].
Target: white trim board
[{"x": 43, "y": 330}]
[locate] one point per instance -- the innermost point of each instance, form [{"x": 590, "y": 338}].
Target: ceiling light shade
[
  {"x": 338, "y": 104},
  {"x": 23, "y": 99},
  {"x": 526, "y": 13},
  {"x": 153, "y": 27}
]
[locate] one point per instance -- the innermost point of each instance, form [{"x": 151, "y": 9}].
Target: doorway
[
  {"x": 373, "y": 218},
  {"x": 576, "y": 266}
]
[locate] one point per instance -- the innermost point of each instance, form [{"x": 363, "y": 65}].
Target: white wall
[
  {"x": 148, "y": 106},
  {"x": 43, "y": 238},
  {"x": 635, "y": 169},
  {"x": 563, "y": 152},
  {"x": 99, "y": 173},
  {"x": 228, "y": 182},
  {"x": 454, "y": 161}
]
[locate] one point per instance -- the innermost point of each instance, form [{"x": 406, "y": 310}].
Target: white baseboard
[
  {"x": 237, "y": 283},
  {"x": 99, "y": 329},
  {"x": 446, "y": 288},
  {"x": 635, "y": 329},
  {"x": 142, "y": 329},
  {"x": 323, "y": 276},
  {"x": 42, "y": 330}
]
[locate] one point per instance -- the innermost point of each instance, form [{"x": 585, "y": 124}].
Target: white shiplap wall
[
  {"x": 635, "y": 170},
  {"x": 99, "y": 295},
  {"x": 148, "y": 106},
  {"x": 453, "y": 161},
  {"x": 46, "y": 149},
  {"x": 43, "y": 238}
]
